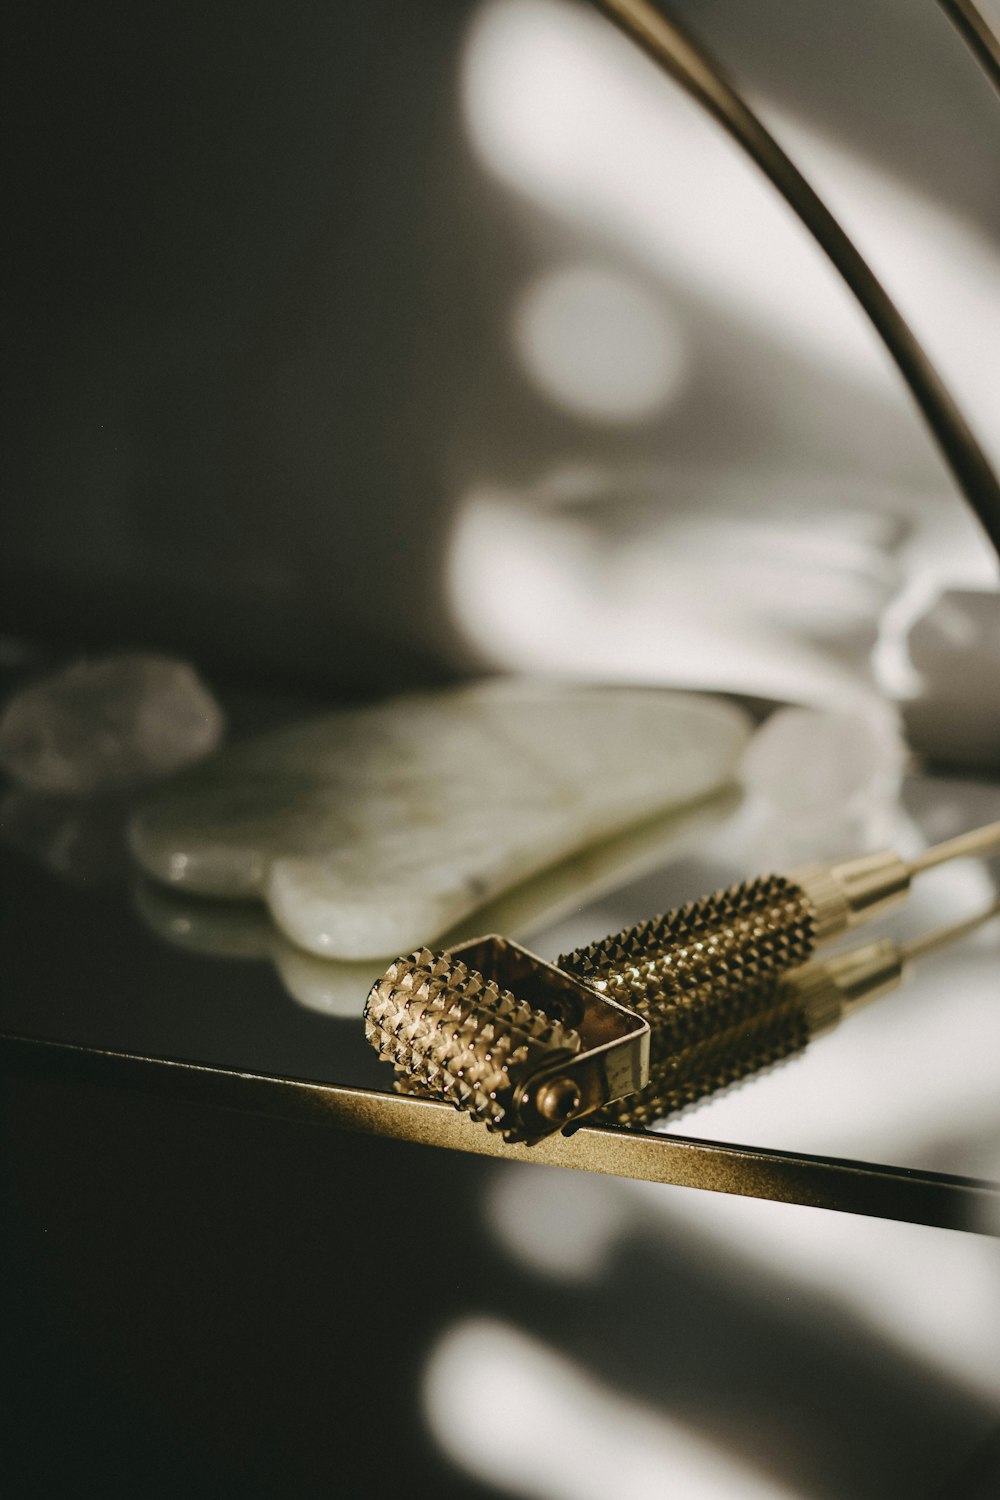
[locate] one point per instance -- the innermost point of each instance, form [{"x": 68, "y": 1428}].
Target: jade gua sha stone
[
  {"x": 370, "y": 831},
  {"x": 243, "y": 930}
]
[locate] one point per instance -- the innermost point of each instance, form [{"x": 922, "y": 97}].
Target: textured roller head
[
  {"x": 452, "y": 1033},
  {"x": 707, "y": 977},
  {"x": 673, "y": 966}
]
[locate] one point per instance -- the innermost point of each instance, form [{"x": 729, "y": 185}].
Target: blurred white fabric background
[{"x": 675, "y": 309}]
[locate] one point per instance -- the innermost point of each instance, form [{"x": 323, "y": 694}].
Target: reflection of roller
[{"x": 654, "y": 1018}]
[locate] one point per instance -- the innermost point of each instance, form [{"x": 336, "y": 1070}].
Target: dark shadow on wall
[{"x": 232, "y": 228}]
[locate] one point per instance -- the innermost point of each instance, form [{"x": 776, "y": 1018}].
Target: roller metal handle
[{"x": 712, "y": 977}]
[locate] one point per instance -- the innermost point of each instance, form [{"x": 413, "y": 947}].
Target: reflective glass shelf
[{"x": 896, "y": 1115}]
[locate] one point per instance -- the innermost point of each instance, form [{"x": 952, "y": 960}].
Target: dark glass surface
[{"x": 93, "y": 954}]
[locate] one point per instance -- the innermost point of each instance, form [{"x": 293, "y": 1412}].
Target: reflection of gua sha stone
[
  {"x": 243, "y": 930},
  {"x": 371, "y": 829}
]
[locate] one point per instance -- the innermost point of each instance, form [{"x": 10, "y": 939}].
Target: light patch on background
[
  {"x": 822, "y": 782},
  {"x": 517, "y": 1416},
  {"x": 933, "y": 1292},
  {"x": 559, "y": 1224},
  {"x": 595, "y": 342},
  {"x": 567, "y": 113},
  {"x": 782, "y": 606}
]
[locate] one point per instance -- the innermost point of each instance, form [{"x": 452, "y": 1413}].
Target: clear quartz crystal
[{"x": 108, "y": 722}]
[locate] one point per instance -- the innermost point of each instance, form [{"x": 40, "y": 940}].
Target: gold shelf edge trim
[{"x": 865, "y": 1188}]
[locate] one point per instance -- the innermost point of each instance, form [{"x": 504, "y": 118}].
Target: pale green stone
[
  {"x": 371, "y": 831},
  {"x": 243, "y": 930}
]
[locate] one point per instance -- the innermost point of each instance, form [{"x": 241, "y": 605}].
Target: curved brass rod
[
  {"x": 974, "y": 29},
  {"x": 685, "y": 61}
]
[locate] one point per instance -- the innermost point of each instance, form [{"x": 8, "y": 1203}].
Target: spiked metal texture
[
  {"x": 706, "y": 977},
  {"x": 453, "y": 1034},
  {"x": 727, "y": 943}
]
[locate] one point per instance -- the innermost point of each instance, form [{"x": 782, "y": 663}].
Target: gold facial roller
[{"x": 652, "y": 1019}]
